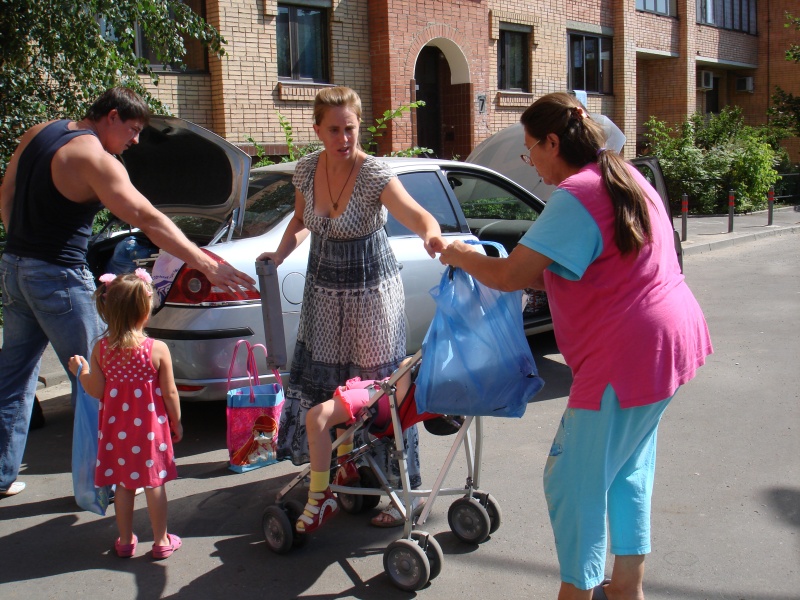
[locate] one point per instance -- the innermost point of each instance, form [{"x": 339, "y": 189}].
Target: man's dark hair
[{"x": 127, "y": 103}]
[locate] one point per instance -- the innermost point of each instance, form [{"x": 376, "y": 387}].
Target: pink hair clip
[
  {"x": 107, "y": 278},
  {"x": 143, "y": 275}
]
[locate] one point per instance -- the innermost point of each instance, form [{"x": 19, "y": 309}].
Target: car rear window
[{"x": 270, "y": 197}]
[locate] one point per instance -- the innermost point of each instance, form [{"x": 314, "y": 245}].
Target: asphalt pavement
[
  {"x": 726, "y": 518},
  {"x": 703, "y": 234}
]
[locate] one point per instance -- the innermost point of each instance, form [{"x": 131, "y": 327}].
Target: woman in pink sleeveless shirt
[{"x": 628, "y": 327}]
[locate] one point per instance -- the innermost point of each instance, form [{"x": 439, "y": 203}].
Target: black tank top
[{"x": 44, "y": 224}]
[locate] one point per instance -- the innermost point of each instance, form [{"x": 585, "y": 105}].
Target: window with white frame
[
  {"x": 660, "y": 7},
  {"x": 513, "y": 55},
  {"x": 303, "y": 40},
  {"x": 737, "y": 15},
  {"x": 590, "y": 60}
]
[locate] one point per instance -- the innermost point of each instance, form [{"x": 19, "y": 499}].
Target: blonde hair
[
  {"x": 124, "y": 304},
  {"x": 335, "y": 97},
  {"x": 581, "y": 142}
]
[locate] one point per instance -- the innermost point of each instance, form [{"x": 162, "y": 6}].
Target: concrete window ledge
[
  {"x": 514, "y": 99},
  {"x": 299, "y": 92}
]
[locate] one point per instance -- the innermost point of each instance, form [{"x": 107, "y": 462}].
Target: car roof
[{"x": 402, "y": 164}]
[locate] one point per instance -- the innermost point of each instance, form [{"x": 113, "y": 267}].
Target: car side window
[
  {"x": 427, "y": 189},
  {"x": 482, "y": 199},
  {"x": 493, "y": 213}
]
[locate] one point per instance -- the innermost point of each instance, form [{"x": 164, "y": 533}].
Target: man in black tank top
[{"x": 61, "y": 174}]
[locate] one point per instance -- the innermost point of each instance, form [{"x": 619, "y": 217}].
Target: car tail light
[
  {"x": 193, "y": 287},
  {"x": 189, "y": 388}
]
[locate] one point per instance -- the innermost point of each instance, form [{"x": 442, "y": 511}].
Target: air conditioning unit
[
  {"x": 744, "y": 84},
  {"x": 705, "y": 80}
]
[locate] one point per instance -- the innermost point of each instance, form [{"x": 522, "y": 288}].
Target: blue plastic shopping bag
[
  {"x": 475, "y": 357},
  {"x": 84, "y": 454}
]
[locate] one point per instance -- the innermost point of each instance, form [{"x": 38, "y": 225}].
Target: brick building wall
[
  {"x": 778, "y": 71},
  {"x": 375, "y": 47},
  {"x": 187, "y": 95}
]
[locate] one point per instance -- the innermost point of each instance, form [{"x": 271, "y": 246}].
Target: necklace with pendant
[{"x": 335, "y": 203}]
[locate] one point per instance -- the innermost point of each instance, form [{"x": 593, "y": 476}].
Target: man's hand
[{"x": 230, "y": 280}]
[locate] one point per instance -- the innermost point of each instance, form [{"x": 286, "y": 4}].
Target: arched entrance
[{"x": 445, "y": 123}]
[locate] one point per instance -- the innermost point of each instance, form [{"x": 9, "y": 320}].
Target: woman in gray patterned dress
[{"x": 352, "y": 321}]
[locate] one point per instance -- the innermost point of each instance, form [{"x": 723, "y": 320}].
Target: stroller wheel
[
  {"x": 493, "y": 508},
  {"x": 432, "y": 550},
  {"x": 351, "y": 503},
  {"x": 368, "y": 480},
  {"x": 407, "y": 565},
  {"x": 468, "y": 520},
  {"x": 278, "y": 531}
]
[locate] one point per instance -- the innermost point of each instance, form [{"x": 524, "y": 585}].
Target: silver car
[{"x": 205, "y": 184}]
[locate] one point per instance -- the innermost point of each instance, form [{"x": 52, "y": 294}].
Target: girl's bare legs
[
  {"x": 319, "y": 421},
  {"x": 321, "y": 503},
  {"x": 157, "y": 509},
  {"x": 123, "y": 511}
]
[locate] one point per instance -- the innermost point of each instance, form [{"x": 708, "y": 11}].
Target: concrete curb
[{"x": 690, "y": 248}]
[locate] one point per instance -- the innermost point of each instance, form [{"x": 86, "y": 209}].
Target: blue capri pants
[{"x": 601, "y": 467}]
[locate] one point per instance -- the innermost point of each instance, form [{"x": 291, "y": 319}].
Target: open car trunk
[{"x": 190, "y": 174}]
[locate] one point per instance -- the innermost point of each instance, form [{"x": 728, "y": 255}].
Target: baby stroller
[{"x": 416, "y": 558}]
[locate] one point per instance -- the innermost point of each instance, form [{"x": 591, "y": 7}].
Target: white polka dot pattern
[{"x": 133, "y": 414}]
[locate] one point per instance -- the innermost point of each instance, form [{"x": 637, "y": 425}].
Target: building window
[
  {"x": 737, "y": 15},
  {"x": 659, "y": 7},
  {"x": 302, "y": 43},
  {"x": 513, "y": 52},
  {"x": 590, "y": 63},
  {"x": 196, "y": 57}
]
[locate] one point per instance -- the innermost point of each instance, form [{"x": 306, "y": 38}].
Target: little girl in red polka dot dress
[{"x": 140, "y": 415}]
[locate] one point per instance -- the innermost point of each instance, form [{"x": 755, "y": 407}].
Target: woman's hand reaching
[
  {"x": 453, "y": 254},
  {"x": 434, "y": 245},
  {"x": 273, "y": 256}
]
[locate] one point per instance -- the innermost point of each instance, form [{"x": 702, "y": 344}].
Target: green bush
[{"x": 707, "y": 157}]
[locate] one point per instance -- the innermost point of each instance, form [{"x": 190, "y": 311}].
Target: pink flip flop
[
  {"x": 161, "y": 552},
  {"x": 126, "y": 550}
]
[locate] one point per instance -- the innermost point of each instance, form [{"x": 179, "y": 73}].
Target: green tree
[
  {"x": 705, "y": 158},
  {"x": 57, "y": 56},
  {"x": 793, "y": 53}
]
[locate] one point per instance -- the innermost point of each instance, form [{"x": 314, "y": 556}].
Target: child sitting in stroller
[{"x": 340, "y": 410}]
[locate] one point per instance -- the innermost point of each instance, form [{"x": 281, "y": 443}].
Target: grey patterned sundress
[{"x": 353, "y": 318}]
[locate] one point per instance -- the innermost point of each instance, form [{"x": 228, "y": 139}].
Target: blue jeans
[{"x": 41, "y": 302}]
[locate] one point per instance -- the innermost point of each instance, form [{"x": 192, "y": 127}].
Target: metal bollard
[
  {"x": 684, "y": 215},
  {"x": 770, "y": 204},
  {"x": 731, "y": 202}
]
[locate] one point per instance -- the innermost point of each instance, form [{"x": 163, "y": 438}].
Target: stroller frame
[{"x": 416, "y": 558}]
